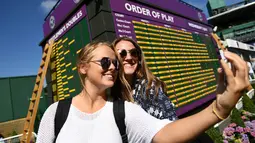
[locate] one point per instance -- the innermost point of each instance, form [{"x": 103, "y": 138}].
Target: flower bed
[
  {"x": 237, "y": 134},
  {"x": 242, "y": 126}
]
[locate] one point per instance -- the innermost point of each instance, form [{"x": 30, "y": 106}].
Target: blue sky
[{"x": 21, "y": 32}]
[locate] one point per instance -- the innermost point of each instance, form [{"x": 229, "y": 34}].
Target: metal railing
[
  {"x": 242, "y": 38},
  {"x": 246, "y": 37}
]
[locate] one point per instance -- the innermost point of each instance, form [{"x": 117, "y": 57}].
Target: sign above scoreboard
[
  {"x": 80, "y": 14},
  {"x": 141, "y": 11},
  {"x": 58, "y": 14},
  {"x": 178, "y": 7}
]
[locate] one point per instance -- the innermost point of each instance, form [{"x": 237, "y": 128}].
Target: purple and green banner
[
  {"x": 141, "y": 11},
  {"x": 63, "y": 8},
  {"x": 180, "y": 8},
  {"x": 78, "y": 16},
  {"x": 124, "y": 26}
]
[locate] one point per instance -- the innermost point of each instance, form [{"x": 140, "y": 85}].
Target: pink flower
[
  {"x": 232, "y": 125},
  {"x": 239, "y": 129},
  {"x": 229, "y": 133},
  {"x": 253, "y": 134},
  {"x": 243, "y": 117},
  {"x": 247, "y": 129}
]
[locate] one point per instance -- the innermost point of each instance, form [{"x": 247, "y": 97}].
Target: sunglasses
[
  {"x": 133, "y": 52},
  {"x": 105, "y": 63}
]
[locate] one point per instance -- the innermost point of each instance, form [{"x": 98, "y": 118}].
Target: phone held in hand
[
  {"x": 224, "y": 58},
  {"x": 226, "y": 61}
]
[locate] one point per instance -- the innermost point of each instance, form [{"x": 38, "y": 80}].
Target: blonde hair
[
  {"x": 142, "y": 70},
  {"x": 85, "y": 57}
]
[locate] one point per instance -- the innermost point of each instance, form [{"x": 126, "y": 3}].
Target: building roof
[
  {"x": 14, "y": 77},
  {"x": 242, "y": 13}
]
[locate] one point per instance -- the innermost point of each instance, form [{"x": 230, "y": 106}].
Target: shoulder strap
[
  {"x": 119, "y": 115},
  {"x": 61, "y": 114}
]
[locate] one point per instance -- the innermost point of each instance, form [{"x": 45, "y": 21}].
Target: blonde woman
[{"x": 90, "y": 118}]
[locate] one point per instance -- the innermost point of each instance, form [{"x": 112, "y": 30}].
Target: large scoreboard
[
  {"x": 178, "y": 51},
  {"x": 65, "y": 81},
  {"x": 174, "y": 37}
]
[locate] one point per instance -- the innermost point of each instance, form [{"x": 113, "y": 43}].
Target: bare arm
[{"x": 188, "y": 128}]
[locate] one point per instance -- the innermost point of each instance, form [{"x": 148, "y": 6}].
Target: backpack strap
[
  {"x": 61, "y": 115},
  {"x": 119, "y": 116}
]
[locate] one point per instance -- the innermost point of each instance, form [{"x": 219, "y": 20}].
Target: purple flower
[
  {"x": 237, "y": 134},
  {"x": 229, "y": 131},
  {"x": 252, "y": 124},
  {"x": 245, "y": 138},
  {"x": 248, "y": 124}
]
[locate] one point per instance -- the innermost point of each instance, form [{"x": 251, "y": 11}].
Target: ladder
[
  {"x": 218, "y": 41},
  {"x": 223, "y": 48},
  {"x": 34, "y": 101}
]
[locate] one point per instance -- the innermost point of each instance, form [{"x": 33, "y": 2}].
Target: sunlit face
[
  {"x": 130, "y": 62},
  {"x": 95, "y": 74}
]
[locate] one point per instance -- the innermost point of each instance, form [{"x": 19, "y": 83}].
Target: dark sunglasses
[
  {"x": 133, "y": 52},
  {"x": 105, "y": 63}
]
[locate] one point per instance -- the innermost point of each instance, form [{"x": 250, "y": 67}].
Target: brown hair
[
  {"x": 142, "y": 70},
  {"x": 86, "y": 55}
]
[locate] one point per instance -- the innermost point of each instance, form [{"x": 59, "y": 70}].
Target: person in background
[
  {"x": 90, "y": 117},
  {"x": 148, "y": 91},
  {"x": 1, "y": 138}
]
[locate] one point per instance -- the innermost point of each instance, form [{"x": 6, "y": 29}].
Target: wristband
[{"x": 216, "y": 113}]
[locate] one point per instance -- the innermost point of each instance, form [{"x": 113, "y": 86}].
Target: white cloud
[{"x": 47, "y": 5}]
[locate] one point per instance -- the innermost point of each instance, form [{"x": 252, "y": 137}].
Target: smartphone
[{"x": 226, "y": 61}]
